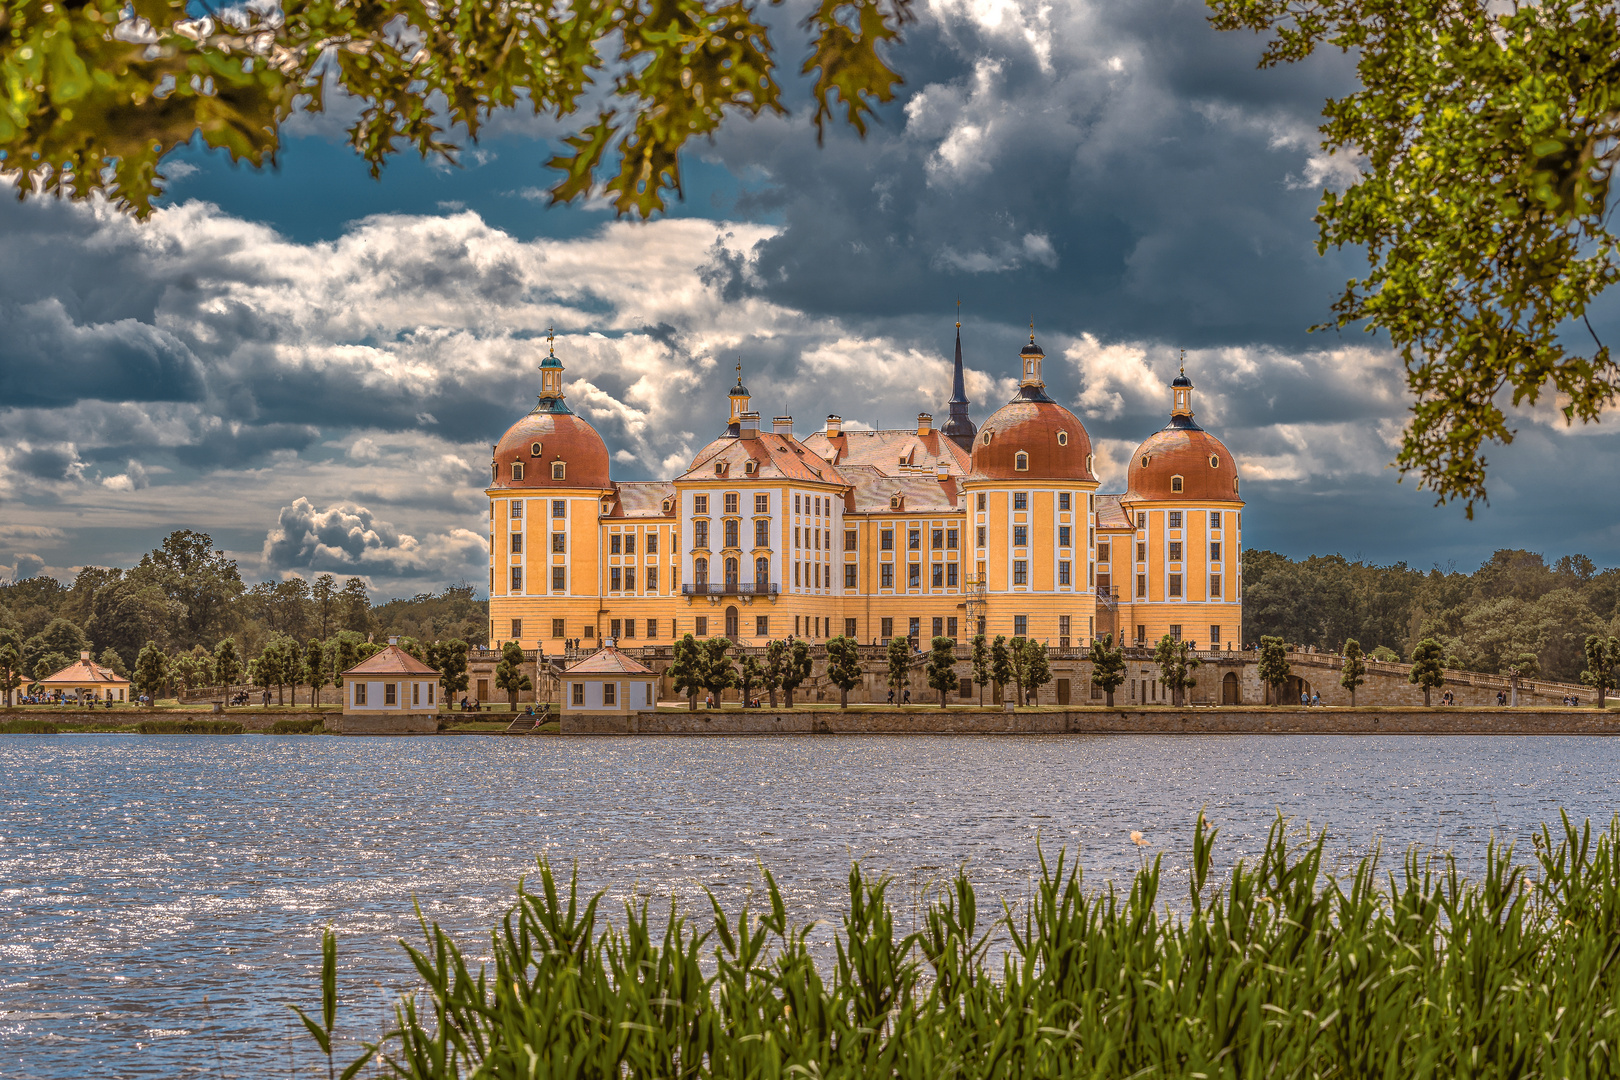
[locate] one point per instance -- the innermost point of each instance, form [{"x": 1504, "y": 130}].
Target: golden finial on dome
[
  {"x": 959, "y": 313},
  {"x": 1184, "y": 361},
  {"x": 1032, "y": 329}
]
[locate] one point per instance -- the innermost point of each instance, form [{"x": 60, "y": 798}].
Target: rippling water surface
[{"x": 161, "y": 896}]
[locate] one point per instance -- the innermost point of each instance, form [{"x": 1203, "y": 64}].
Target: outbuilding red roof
[
  {"x": 393, "y": 660},
  {"x": 609, "y": 661}
]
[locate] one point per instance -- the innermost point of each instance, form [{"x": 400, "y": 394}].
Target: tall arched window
[
  {"x": 1021, "y": 462},
  {"x": 731, "y": 573},
  {"x": 731, "y": 533},
  {"x": 762, "y": 573},
  {"x": 700, "y": 571}
]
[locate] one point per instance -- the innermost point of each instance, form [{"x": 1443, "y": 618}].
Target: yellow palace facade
[{"x": 951, "y": 530}]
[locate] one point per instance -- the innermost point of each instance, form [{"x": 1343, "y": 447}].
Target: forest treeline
[
  {"x": 1516, "y": 603},
  {"x": 187, "y": 594}
]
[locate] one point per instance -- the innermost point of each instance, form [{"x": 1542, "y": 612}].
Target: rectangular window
[
  {"x": 700, "y": 534},
  {"x": 1063, "y": 500},
  {"x": 1020, "y": 625},
  {"x": 1141, "y": 632},
  {"x": 615, "y": 544},
  {"x": 1175, "y": 519},
  {"x": 517, "y": 629},
  {"x": 886, "y": 540},
  {"x": 914, "y": 575},
  {"x": 1214, "y": 635},
  {"x": 1020, "y": 500},
  {"x": 559, "y": 546},
  {"x": 700, "y": 626},
  {"x": 1141, "y": 586},
  {"x": 517, "y": 543},
  {"x": 652, "y": 579},
  {"x": 981, "y": 500},
  {"x": 390, "y": 693},
  {"x": 915, "y": 630},
  {"x": 1104, "y": 552},
  {"x": 937, "y": 578},
  {"x": 629, "y": 628},
  {"x": 1215, "y": 520},
  {"x": 914, "y": 540},
  {"x": 559, "y": 508},
  {"x": 559, "y": 470},
  {"x": 610, "y": 694},
  {"x": 652, "y": 628},
  {"x": 517, "y": 579},
  {"x": 796, "y": 543},
  {"x": 579, "y": 693},
  {"x": 1141, "y": 519},
  {"x": 818, "y": 575},
  {"x": 359, "y": 693},
  {"x": 937, "y": 539},
  {"x": 615, "y": 579},
  {"x": 1175, "y": 551},
  {"x": 1063, "y": 536},
  {"x": 1063, "y": 573},
  {"x": 652, "y": 543},
  {"x": 849, "y": 539},
  {"x": 849, "y": 576},
  {"x": 1141, "y": 552},
  {"x": 762, "y": 504},
  {"x": 939, "y": 626},
  {"x": 517, "y": 508},
  {"x": 1175, "y": 631},
  {"x": 615, "y": 629},
  {"x": 950, "y": 627},
  {"x": 1020, "y": 572},
  {"x": 1063, "y": 626},
  {"x": 731, "y": 532},
  {"x": 1175, "y": 584},
  {"x": 557, "y": 628},
  {"x": 1215, "y": 551},
  {"x": 1020, "y": 536},
  {"x": 762, "y": 626},
  {"x": 558, "y": 581},
  {"x": 981, "y": 536},
  {"x": 888, "y": 629},
  {"x": 700, "y": 504},
  {"x": 849, "y": 628},
  {"x": 950, "y": 576},
  {"x": 796, "y": 507},
  {"x": 730, "y": 503},
  {"x": 1215, "y": 586},
  {"x": 796, "y": 574},
  {"x": 629, "y": 579},
  {"x": 629, "y": 543},
  {"x": 762, "y": 533},
  {"x": 430, "y": 687},
  {"x": 950, "y": 540},
  {"x": 886, "y": 575}
]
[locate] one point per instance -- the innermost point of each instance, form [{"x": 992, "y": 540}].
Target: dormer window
[
  {"x": 1234, "y": 485},
  {"x": 534, "y": 450},
  {"x": 664, "y": 506},
  {"x": 719, "y": 468},
  {"x": 517, "y": 470},
  {"x": 494, "y": 471},
  {"x": 1063, "y": 438},
  {"x": 1175, "y": 483},
  {"x": 985, "y": 438},
  {"x": 894, "y": 502},
  {"x": 1090, "y": 461},
  {"x": 751, "y": 468},
  {"x": 1021, "y": 461},
  {"x": 559, "y": 470},
  {"x": 1145, "y": 460},
  {"x": 1214, "y": 461}
]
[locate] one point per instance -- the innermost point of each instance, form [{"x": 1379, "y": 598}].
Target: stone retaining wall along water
[{"x": 1437, "y": 721}]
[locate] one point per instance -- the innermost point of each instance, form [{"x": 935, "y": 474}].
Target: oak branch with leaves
[
  {"x": 94, "y": 95},
  {"x": 1488, "y": 135}
]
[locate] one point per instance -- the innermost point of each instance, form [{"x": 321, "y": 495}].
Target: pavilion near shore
[{"x": 84, "y": 678}]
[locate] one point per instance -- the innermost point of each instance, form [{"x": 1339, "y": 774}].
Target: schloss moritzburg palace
[{"x": 938, "y": 530}]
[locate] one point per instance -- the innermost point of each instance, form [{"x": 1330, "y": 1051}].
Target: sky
[{"x": 311, "y": 366}]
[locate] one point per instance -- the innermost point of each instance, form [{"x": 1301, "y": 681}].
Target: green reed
[
  {"x": 189, "y": 727},
  {"x": 1283, "y": 969},
  {"x": 308, "y": 726},
  {"x": 27, "y": 727}
]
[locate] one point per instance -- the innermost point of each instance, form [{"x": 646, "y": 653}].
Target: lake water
[{"x": 140, "y": 875}]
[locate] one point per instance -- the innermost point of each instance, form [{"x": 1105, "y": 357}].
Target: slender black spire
[{"x": 960, "y": 429}]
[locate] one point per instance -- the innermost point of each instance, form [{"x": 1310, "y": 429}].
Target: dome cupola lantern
[
  {"x": 551, "y": 373},
  {"x": 1181, "y": 389},
  {"x": 1032, "y": 356},
  {"x": 739, "y": 404}
]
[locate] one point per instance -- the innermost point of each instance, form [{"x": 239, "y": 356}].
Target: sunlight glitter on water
[{"x": 143, "y": 873}]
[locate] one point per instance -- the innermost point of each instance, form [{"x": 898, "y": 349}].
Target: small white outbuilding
[
  {"x": 389, "y": 693},
  {"x": 608, "y": 683}
]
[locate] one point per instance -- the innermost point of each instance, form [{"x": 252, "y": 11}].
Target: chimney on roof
[
  {"x": 925, "y": 423},
  {"x": 748, "y": 425},
  {"x": 393, "y": 641},
  {"x": 782, "y": 425},
  {"x": 84, "y": 654},
  {"x": 835, "y": 426},
  {"x": 942, "y": 471}
]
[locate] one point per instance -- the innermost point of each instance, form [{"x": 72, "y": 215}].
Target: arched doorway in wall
[
  {"x": 1292, "y": 689},
  {"x": 731, "y": 621},
  {"x": 1230, "y": 692}
]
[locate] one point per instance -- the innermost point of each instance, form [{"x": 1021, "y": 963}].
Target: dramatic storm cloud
[{"x": 312, "y": 366}]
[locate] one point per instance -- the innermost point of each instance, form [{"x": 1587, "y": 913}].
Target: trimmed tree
[
  {"x": 685, "y": 670},
  {"x": 151, "y": 670},
  {"x": 797, "y": 669},
  {"x": 1602, "y": 663},
  {"x": 1176, "y": 666},
  {"x": 509, "y": 673},
  {"x": 450, "y": 659},
  {"x": 1428, "y": 666},
  {"x": 10, "y": 670},
  {"x": 717, "y": 671},
  {"x": 1523, "y": 666},
  {"x": 770, "y": 674},
  {"x": 1001, "y": 666},
  {"x": 1355, "y": 668},
  {"x": 1107, "y": 666},
  {"x": 899, "y": 658},
  {"x": 981, "y": 665},
  {"x": 1274, "y": 667},
  {"x": 1037, "y": 670},
  {"x": 941, "y": 670},
  {"x": 1016, "y": 661},
  {"x": 843, "y": 667},
  {"x": 748, "y": 674},
  {"x": 227, "y": 665},
  {"x": 315, "y": 673}
]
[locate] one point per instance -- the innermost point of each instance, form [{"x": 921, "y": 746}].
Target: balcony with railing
[{"x": 731, "y": 588}]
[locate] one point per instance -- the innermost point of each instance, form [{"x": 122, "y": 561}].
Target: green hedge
[
  {"x": 1284, "y": 969},
  {"x": 189, "y": 727}
]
